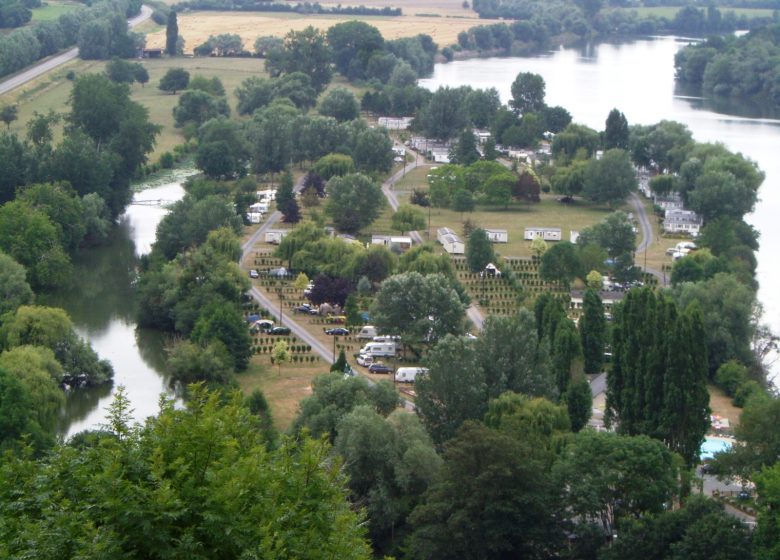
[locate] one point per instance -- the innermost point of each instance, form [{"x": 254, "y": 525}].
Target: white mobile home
[
  {"x": 275, "y": 236},
  {"x": 453, "y": 245},
  {"x": 397, "y": 243},
  {"x": 379, "y": 349},
  {"x": 497, "y": 235},
  {"x": 254, "y": 217},
  {"x": 548, "y": 234},
  {"x": 409, "y": 374},
  {"x": 266, "y": 195},
  {"x": 442, "y": 232}
]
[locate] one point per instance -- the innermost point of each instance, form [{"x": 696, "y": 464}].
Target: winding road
[
  {"x": 44, "y": 66},
  {"x": 647, "y": 235}
]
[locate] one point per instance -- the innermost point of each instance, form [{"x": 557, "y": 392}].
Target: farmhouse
[
  {"x": 275, "y": 236},
  {"x": 548, "y": 234},
  {"x": 682, "y": 221},
  {"x": 398, "y": 244},
  {"x": 497, "y": 235}
]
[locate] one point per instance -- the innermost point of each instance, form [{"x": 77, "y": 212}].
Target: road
[
  {"x": 647, "y": 234},
  {"x": 474, "y": 314},
  {"x": 42, "y": 67}
]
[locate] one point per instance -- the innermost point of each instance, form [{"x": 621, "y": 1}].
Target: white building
[
  {"x": 548, "y": 234},
  {"x": 275, "y": 236},
  {"x": 266, "y": 195},
  {"x": 393, "y": 123},
  {"x": 682, "y": 221},
  {"x": 497, "y": 235},
  {"x": 397, "y": 243},
  {"x": 453, "y": 245},
  {"x": 442, "y": 232},
  {"x": 671, "y": 201},
  {"x": 254, "y": 217},
  {"x": 608, "y": 299}
]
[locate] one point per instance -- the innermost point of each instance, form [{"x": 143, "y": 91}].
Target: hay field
[{"x": 195, "y": 27}]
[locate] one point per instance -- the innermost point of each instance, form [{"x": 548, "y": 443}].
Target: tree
[
  {"x": 464, "y": 152},
  {"x": 493, "y": 500},
  {"x": 593, "y": 331},
  {"x": 462, "y": 201},
  {"x": 512, "y": 358},
  {"x": 120, "y": 71},
  {"x": 334, "y": 396},
  {"x": 332, "y": 165},
  {"x": 610, "y": 179},
  {"x": 373, "y": 151},
  {"x": 175, "y": 79},
  {"x": 304, "y": 51},
  {"x": 51, "y": 328},
  {"x": 566, "y": 349},
  {"x": 408, "y": 218},
  {"x": 8, "y": 114},
  {"x": 280, "y": 355},
  {"x": 353, "y": 44},
  {"x": 189, "y": 362},
  {"x": 527, "y": 93},
  {"x": 528, "y": 186},
  {"x": 758, "y": 446},
  {"x": 141, "y": 74},
  {"x": 354, "y": 202},
  {"x": 419, "y": 308},
  {"x": 443, "y": 117},
  {"x": 341, "y": 104},
  {"x": 196, "y": 106},
  {"x": 229, "y": 461},
  {"x": 497, "y": 189},
  {"x": 579, "y": 403},
  {"x": 65, "y": 210},
  {"x": 560, "y": 263},
  {"x": 538, "y": 247},
  {"x": 225, "y": 324},
  {"x": 594, "y": 280},
  {"x": 14, "y": 289},
  {"x": 606, "y": 478},
  {"x": 479, "y": 251},
  {"x": 171, "y": 34},
  {"x": 616, "y": 131},
  {"x": 18, "y": 417}
]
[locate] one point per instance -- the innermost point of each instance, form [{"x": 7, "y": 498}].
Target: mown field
[
  {"x": 52, "y": 10},
  {"x": 196, "y": 27}
]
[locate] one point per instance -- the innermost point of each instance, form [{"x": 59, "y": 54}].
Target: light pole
[{"x": 334, "y": 347}]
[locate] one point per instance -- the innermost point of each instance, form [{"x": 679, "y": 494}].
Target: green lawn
[{"x": 52, "y": 10}]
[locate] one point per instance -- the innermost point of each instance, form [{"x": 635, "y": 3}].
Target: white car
[
  {"x": 254, "y": 274},
  {"x": 365, "y": 360}
]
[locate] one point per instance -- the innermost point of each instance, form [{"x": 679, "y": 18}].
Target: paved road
[
  {"x": 473, "y": 313},
  {"x": 51, "y": 63},
  {"x": 647, "y": 234}
]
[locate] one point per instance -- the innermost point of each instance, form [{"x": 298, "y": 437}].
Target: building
[
  {"x": 608, "y": 299},
  {"x": 275, "y": 236},
  {"x": 396, "y": 243},
  {"x": 442, "y": 232},
  {"x": 392, "y": 123},
  {"x": 453, "y": 245},
  {"x": 671, "y": 201},
  {"x": 254, "y": 217},
  {"x": 266, "y": 195},
  {"x": 497, "y": 235},
  {"x": 682, "y": 221},
  {"x": 574, "y": 235},
  {"x": 548, "y": 234}
]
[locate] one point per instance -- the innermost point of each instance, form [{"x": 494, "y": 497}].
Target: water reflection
[{"x": 100, "y": 299}]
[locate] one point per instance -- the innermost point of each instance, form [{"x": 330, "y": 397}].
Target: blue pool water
[{"x": 712, "y": 446}]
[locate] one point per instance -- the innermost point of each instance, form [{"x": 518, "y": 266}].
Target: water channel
[
  {"x": 100, "y": 300},
  {"x": 637, "y": 77}
]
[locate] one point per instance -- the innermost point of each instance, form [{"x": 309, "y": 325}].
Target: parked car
[
  {"x": 304, "y": 308},
  {"x": 254, "y": 274},
  {"x": 365, "y": 360},
  {"x": 337, "y": 331},
  {"x": 379, "y": 368},
  {"x": 280, "y": 330}
]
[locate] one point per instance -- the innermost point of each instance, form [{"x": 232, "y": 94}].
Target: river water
[
  {"x": 637, "y": 77},
  {"x": 100, "y": 300}
]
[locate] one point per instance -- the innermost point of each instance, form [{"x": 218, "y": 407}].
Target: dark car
[
  {"x": 279, "y": 330},
  {"x": 379, "y": 368},
  {"x": 338, "y": 331}
]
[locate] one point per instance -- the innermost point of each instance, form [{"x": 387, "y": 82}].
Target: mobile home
[
  {"x": 379, "y": 349},
  {"x": 497, "y": 235},
  {"x": 548, "y": 234},
  {"x": 409, "y": 374},
  {"x": 275, "y": 236}
]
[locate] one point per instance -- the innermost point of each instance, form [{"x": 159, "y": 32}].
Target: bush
[
  {"x": 71, "y": 75},
  {"x": 159, "y": 18},
  {"x": 166, "y": 160},
  {"x": 747, "y": 390},
  {"x": 731, "y": 376}
]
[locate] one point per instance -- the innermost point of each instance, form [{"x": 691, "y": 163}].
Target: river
[
  {"x": 637, "y": 77},
  {"x": 100, "y": 300}
]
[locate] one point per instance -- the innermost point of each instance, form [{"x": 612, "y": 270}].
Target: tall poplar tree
[
  {"x": 171, "y": 34},
  {"x": 593, "y": 331},
  {"x": 565, "y": 349}
]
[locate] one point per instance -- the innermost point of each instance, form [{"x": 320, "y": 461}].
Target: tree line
[
  {"x": 734, "y": 66},
  {"x": 100, "y": 31}
]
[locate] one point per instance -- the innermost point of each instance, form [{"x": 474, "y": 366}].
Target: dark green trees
[
  {"x": 593, "y": 332},
  {"x": 616, "y": 131},
  {"x": 171, "y": 34},
  {"x": 479, "y": 251},
  {"x": 657, "y": 385}
]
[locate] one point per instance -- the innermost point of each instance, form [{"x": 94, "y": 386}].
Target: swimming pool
[{"x": 713, "y": 445}]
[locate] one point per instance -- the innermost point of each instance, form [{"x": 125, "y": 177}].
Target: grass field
[
  {"x": 670, "y": 11},
  {"x": 52, "y": 10},
  {"x": 51, "y": 91},
  {"x": 196, "y": 27}
]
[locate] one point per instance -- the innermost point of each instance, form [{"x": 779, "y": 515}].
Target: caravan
[
  {"x": 379, "y": 349},
  {"x": 409, "y": 374}
]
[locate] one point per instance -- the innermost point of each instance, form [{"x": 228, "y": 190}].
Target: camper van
[
  {"x": 365, "y": 360},
  {"x": 409, "y": 374},
  {"x": 379, "y": 349},
  {"x": 368, "y": 332}
]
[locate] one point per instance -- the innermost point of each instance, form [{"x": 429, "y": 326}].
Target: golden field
[{"x": 196, "y": 27}]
